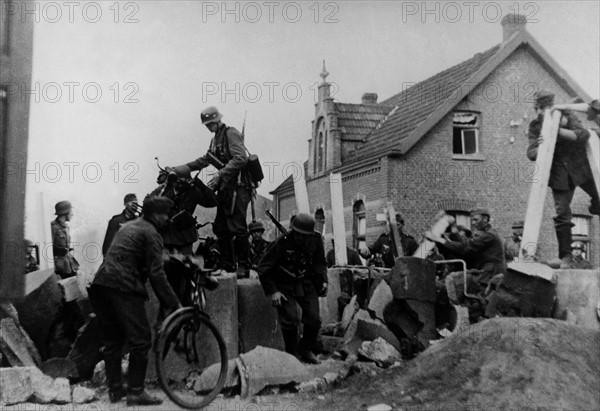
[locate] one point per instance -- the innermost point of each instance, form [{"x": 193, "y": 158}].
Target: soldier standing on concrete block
[
  {"x": 570, "y": 169},
  {"x": 385, "y": 246},
  {"x": 234, "y": 191},
  {"x": 65, "y": 264},
  {"x": 129, "y": 213},
  {"x": 294, "y": 271},
  {"x": 118, "y": 294},
  {"x": 258, "y": 245}
]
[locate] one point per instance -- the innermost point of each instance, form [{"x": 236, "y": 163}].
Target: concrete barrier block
[
  {"x": 70, "y": 289},
  {"x": 328, "y": 305},
  {"x": 16, "y": 385},
  {"x": 536, "y": 295},
  {"x": 578, "y": 292},
  {"x": 258, "y": 322},
  {"x": 222, "y": 306},
  {"x": 413, "y": 278}
]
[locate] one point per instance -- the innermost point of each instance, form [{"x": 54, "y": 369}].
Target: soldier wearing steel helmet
[
  {"x": 576, "y": 259},
  {"x": 258, "y": 244},
  {"x": 294, "y": 271},
  {"x": 65, "y": 264},
  {"x": 234, "y": 190}
]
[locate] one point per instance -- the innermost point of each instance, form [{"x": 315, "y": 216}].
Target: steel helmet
[
  {"x": 210, "y": 115},
  {"x": 303, "y": 224},
  {"x": 255, "y": 226},
  {"x": 578, "y": 245}
]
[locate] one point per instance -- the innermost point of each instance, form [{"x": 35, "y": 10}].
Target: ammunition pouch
[{"x": 254, "y": 169}]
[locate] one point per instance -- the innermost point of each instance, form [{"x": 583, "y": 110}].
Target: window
[
  {"x": 465, "y": 138},
  {"x": 320, "y": 221},
  {"x": 321, "y": 147},
  {"x": 581, "y": 232},
  {"x": 359, "y": 226},
  {"x": 462, "y": 218}
]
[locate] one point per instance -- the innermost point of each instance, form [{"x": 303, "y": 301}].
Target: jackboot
[
  {"x": 136, "y": 395},
  {"x": 308, "y": 341},
  {"x": 290, "y": 340},
  {"x": 564, "y": 237},
  {"x": 114, "y": 378},
  {"x": 225, "y": 245},
  {"x": 242, "y": 255}
]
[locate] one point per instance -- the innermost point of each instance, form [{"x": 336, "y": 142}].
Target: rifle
[{"x": 276, "y": 222}]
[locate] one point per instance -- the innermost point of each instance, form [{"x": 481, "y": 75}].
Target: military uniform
[
  {"x": 299, "y": 273},
  {"x": 113, "y": 226},
  {"x": 570, "y": 169},
  {"x": 384, "y": 245},
  {"x": 577, "y": 262},
  {"x": 351, "y": 254},
  {"x": 233, "y": 197},
  {"x": 257, "y": 249},
  {"x": 65, "y": 264},
  {"x": 118, "y": 295}
]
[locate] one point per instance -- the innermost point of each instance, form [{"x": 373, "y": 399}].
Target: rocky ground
[{"x": 500, "y": 364}]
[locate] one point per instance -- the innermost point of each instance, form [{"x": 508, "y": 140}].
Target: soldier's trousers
[
  {"x": 309, "y": 303},
  {"x": 230, "y": 223},
  {"x": 122, "y": 319}
]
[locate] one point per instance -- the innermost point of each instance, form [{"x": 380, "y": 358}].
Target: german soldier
[
  {"x": 258, "y": 244},
  {"x": 118, "y": 295},
  {"x": 293, "y": 270},
  {"x": 234, "y": 187},
  {"x": 384, "y": 245},
  {"x": 65, "y": 264},
  {"x": 129, "y": 213}
]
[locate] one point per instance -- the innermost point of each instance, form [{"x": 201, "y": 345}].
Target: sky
[{"x": 116, "y": 84}]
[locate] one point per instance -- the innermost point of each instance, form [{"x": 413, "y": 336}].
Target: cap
[
  {"x": 62, "y": 207},
  {"x": 544, "y": 98},
  {"x": 129, "y": 197},
  {"x": 518, "y": 224},
  {"x": 480, "y": 211},
  {"x": 255, "y": 226},
  {"x": 157, "y": 205},
  {"x": 577, "y": 245}
]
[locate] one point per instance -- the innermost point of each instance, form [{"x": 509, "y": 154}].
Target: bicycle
[{"x": 189, "y": 351}]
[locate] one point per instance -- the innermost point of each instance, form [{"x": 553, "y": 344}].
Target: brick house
[{"x": 452, "y": 142}]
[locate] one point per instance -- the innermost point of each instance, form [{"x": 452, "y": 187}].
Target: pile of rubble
[{"x": 47, "y": 343}]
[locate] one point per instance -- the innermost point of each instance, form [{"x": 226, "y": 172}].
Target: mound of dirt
[
  {"x": 498, "y": 364},
  {"x": 510, "y": 363}
]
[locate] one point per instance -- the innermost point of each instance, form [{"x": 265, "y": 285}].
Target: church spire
[{"x": 324, "y": 73}]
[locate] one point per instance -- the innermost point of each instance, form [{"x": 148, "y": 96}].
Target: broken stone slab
[
  {"x": 380, "y": 352},
  {"x": 413, "y": 278},
  {"x": 70, "y": 289},
  {"x": 7, "y": 310},
  {"x": 382, "y": 295},
  {"x": 86, "y": 348},
  {"x": 328, "y": 305},
  {"x": 578, "y": 294},
  {"x": 63, "y": 391},
  {"x": 349, "y": 313},
  {"x": 533, "y": 269},
  {"x": 208, "y": 379},
  {"x": 364, "y": 328},
  {"x": 82, "y": 395},
  {"x": 43, "y": 387},
  {"x": 332, "y": 344},
  {"x": 60, "y": 368},
  {"x": 16, "y": 345},
  {"x": 536, "y": 294},
  {"x": 40, "y": 308},
  {"x": 16, "y": 385},
  {"x": 265, "y": 366},
  {"x": 380, "y": 407}
]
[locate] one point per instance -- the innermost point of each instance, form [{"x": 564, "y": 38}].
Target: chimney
[
  {"x": 369, "y": 98},
  {"x": 512, "y": 23}
]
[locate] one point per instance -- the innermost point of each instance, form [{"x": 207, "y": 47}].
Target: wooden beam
[
  {"x": 391, "y": 213},
  {"x": 301, "y": 194},
  {"x": 337, "y": 215},
  {"x": 539, "y": 187}
]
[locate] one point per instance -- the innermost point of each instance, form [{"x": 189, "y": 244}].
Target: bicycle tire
[{"x": 193, "y": 329}]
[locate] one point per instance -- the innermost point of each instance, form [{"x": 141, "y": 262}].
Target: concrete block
[
  {"x": 222, "y": 306},
  {"x": 536, "y": 295},
  {"x": 258, "y": 322},
  {"x": 380, "y": 352},
  {"x": 328, "y": 305},
  {"x": 40, "y": 308},
  {"x": 59, "y": 368},
  {"x": 364, "y": 328},
  {"x": 86, "y": 348},
  {"x": 358, "y": 281},
  {"x": 14, "y": 344},
  {"x": 349, "y": 313},
  {"x": 578, "y": 292},
  {"x": 16, "y": 385},
  {"x": 332, "y": 344},
  {"x": 413, "y": 278},
  {"x": 382, "y": 296},
  {"x": 70, "y": 289},
  {"x": 43, "y": 387},
  {"x": 82, "y": 395},
  {"x": 63, "y": 391}
]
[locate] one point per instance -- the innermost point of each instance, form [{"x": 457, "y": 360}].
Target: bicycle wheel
[{"x": 191, "y": 358}]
